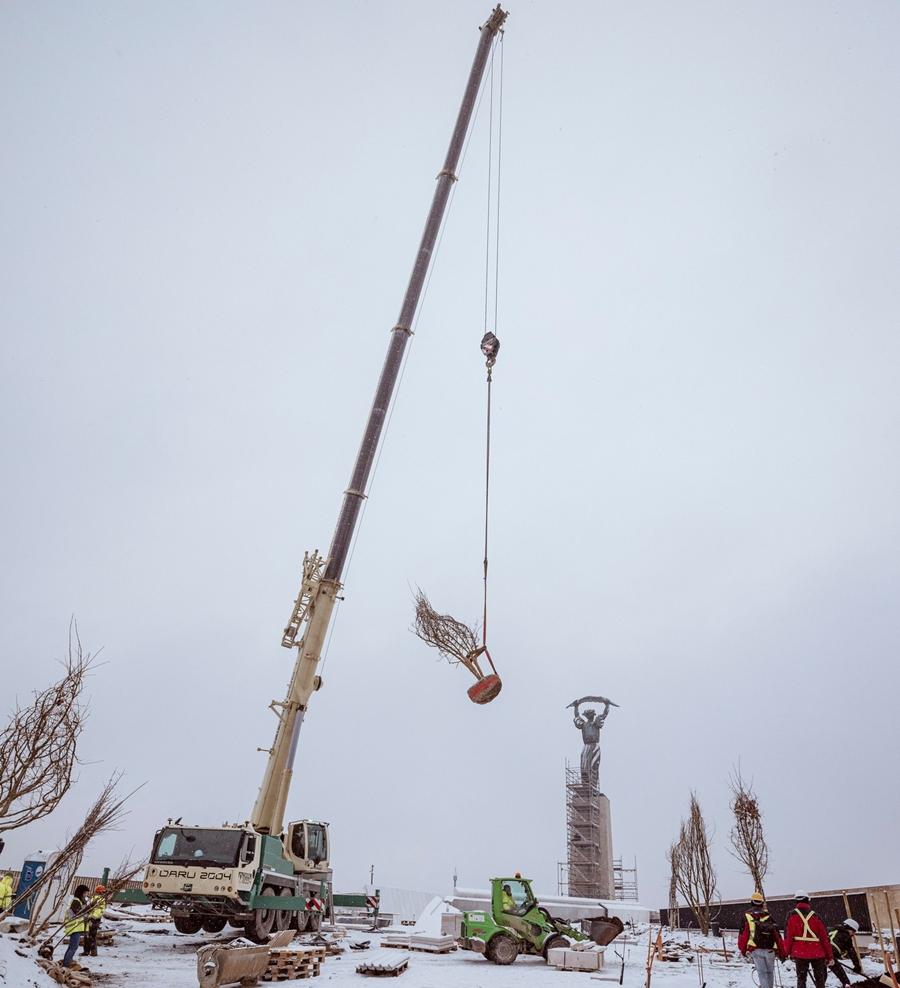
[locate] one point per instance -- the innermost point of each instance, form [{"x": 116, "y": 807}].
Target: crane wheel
[
  {"x": 187, "y": 924},
  {"x": 314, "y": 922},
  {"x": 502, "y": 949},
  {"x": 260, "y": 925},
  {"x": 213, "y": 924},
  {"x": 485, "y": 689},
  {"x": 300, "y": 921},
  {"x": 283, "y": 917}
]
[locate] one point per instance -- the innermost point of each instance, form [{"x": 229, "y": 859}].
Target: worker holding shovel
[
  {"x": 97, "y": 907},
  {"x": 842, "y": 944},
  {"x": 76, "y": 923}
]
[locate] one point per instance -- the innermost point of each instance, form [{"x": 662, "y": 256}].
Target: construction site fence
[
  {"x": 92, "y": 881},
  {"x": 830, "y": 907}
]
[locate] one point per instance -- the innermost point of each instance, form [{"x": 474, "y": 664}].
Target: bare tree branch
[
  {"x": 748, "y": 840},
  {"x": 692, "y": 870},
  {"x": 105, "y": 814},
  {"x": 38, "y": 744},
  {"x": 456, "y": 641}
]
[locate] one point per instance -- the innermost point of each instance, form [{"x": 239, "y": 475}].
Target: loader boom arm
[{"x": 315, "y": 603}]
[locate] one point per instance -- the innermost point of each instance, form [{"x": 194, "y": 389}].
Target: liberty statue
[{"x": 590, "y": 723}]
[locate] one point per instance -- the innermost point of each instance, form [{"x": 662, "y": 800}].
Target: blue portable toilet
[{"x": 32, "y": 870}]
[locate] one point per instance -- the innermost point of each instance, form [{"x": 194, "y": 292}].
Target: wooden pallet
[
  {"x": 292, "y": 975},
  {"x": 290, "y": 964}
]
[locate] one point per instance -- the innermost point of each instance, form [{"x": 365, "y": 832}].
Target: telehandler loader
[{"x": 518, "y": 924}]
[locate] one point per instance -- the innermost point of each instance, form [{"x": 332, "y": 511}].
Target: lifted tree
[{"x": 458, "y": 643}]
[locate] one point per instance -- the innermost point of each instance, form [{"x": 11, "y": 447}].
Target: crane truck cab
[{"x": 210, "y": 876}]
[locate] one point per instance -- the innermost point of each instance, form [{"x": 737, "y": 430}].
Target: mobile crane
[{"x": 262, "y": 875}]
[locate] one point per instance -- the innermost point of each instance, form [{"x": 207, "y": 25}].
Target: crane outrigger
[{"x": 260, "y": 874}]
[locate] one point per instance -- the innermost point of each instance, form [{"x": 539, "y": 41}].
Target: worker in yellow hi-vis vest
[
  {"x": 76, "y": 923},
  {"x": 97, "y": 907},
  {"x": 760, "y": 940},
  {"x": 6, "y": 892},
  {"x": 806, "y": 942}
]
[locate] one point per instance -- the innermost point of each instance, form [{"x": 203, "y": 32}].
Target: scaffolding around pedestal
[{"x": 589, "y": 870}]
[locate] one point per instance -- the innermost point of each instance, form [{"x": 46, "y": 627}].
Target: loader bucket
[
  {"x": 485, "y": 689},
  {"x": 221, "y": 964},
  {"x": 605, "y": 929}
]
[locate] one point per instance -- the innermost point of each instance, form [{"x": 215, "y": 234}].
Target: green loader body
[{"x": 515, "y": 924}]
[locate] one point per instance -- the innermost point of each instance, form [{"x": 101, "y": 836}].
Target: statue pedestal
[{"x": 589, "y": 827}]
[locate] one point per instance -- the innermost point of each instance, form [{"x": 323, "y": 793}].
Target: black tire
[
  {"x": 554, "y": 940},
  {"x": 213, "y": 924},
  {"x": 259, "y": 926},
  {"x": 283, "y": 917},
  {"x": 187, "y": 924},
  {"x": 235, "y": 924},
  {"x": 300, "y": 921},
  {"x": 502, "y": 949},
  {"x": 314, "y": 922}
]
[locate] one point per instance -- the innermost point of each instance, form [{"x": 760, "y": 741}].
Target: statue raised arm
[{"x": 579, "y": 720}]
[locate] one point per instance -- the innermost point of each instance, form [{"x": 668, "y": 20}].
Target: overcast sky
[{"x": 209, "y": 213}]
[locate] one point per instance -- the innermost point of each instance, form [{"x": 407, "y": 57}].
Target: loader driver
[{"x": 515, "y": 903}]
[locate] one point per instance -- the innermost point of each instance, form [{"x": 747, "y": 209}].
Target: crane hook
[{"x": 490, "y": 347}]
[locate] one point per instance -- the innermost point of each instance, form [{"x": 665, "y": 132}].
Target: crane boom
[{"x": 322, "y": 577}]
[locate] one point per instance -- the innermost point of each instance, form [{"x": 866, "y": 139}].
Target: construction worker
[
  {"x": 806, "y": 942},
  {"x": 76, "y": 923},
  {"x": 507, "y": 903},
  {"x": 760, "y": 940},
  {"x": 6, "y": 892},
  {"x": 96, "y": 907},
  {"x": 843, "y": 945}
]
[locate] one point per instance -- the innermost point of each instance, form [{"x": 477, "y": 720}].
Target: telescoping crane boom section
[{"x": 321, "y": 578}]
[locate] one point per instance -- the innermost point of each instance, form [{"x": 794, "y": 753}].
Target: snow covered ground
[{"x": 155, "y": 956}]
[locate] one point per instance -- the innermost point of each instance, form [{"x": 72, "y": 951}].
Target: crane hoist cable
[
  {"x": 490, "y": 344},
  {"x": 482, "y": 89},
  {"x": 455, "y": 640}
]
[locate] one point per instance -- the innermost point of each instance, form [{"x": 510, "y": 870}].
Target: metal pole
[{"x": 356, "y": 491}]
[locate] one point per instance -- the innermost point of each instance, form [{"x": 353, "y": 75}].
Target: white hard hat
[
  {"x": 800, "y": 894},
  {"x": 852, "y": 924}
]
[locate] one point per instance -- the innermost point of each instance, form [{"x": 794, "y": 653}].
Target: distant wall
[
  {"x": 90, "y": 881},
  {"x": 829, "y": 905}
]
